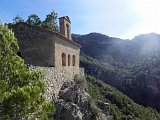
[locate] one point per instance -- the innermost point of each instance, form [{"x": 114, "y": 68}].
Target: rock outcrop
[{"x": 75, "y": 103}]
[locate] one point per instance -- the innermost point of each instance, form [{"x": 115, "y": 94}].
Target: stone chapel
[
  {"x": 40, "y": 47},
  {"x": 56, "y": 53}
]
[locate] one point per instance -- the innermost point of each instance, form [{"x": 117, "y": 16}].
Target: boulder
[{"x": 68, "y": 111}]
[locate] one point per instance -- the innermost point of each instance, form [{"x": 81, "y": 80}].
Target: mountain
[
  {"x": 121, "y": 107},
  {"x": 100, "y": 46},
  {"x": 103, "y": 47},
  {"x": 149, "y": 43},
  {"x": 132, "y": 66},
  {"x": 147, "y": 37}
]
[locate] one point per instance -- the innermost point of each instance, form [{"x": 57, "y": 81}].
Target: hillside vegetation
[
  {"x": 121, "y": 106},
  {"x": 131, "y": 66}
]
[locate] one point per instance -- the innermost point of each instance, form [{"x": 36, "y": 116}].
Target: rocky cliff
[
  {"x": 95, "y": 100},
  {"x": 75, "y": 103}
]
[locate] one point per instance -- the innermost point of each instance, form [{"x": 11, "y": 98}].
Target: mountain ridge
[
  {"x": 132, "y": 66},
  {"x": 96, "y": 33}
]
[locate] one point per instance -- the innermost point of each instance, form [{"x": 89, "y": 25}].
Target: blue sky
[{"x": 118, "y": 18}]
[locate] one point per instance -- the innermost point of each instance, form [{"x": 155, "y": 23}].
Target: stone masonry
[{"x": 54, "y": 79}]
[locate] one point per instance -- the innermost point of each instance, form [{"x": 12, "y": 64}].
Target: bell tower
[{"x": 65, "y": 27}]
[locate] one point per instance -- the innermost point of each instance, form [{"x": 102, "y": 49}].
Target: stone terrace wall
[{"x": 54, "y": 79}]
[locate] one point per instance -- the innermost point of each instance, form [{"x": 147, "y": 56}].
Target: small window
[
  {"x": 63, "y": 59},
  {"x": 69, "y": 60},
  {"x": 73, "y": 60}
]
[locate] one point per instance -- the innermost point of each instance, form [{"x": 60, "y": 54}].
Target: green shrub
[{"x": 21, "y": 90}]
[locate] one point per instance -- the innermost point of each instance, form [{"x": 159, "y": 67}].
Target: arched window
[
  {"x": 69, "y": 60},
  {"x": 68, "y": 36},
  {"x": 63, "y": 59},
  {"x": 73, "y": 60}
]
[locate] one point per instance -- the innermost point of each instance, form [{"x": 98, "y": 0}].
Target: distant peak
[{"x": 148, "y": 36}]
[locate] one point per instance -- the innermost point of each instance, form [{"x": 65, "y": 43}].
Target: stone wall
[
  {"x": 54, "y": 79},
  {"x": 62, "y": 46},
  {"x": 36, "y": 47}
]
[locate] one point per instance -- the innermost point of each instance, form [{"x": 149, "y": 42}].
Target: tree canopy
[
  {"x": 33, "y": 20},
  {"x": 21, "y": 90},
  {"x": 50, "y": 22},
  {"x": 121, "y": 106},
  {"x": 18, "y": 19}
]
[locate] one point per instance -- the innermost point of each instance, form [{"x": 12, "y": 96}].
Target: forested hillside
[
  {"x": 132, "y": 66},
  {"x": 121, "y": 106}
]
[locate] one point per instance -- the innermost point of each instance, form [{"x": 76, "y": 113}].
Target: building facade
[{"x": 56, "y": 53}]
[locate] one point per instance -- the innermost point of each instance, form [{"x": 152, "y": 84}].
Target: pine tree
[
  {"x": 17, "y": 19},
  {"x": 50, "y": 22},
  {"x": 33, "y": 20},
  {"x": 21, "y": 90}
]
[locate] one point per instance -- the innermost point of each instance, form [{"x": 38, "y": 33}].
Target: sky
[{"x": 116, "y": 18}]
